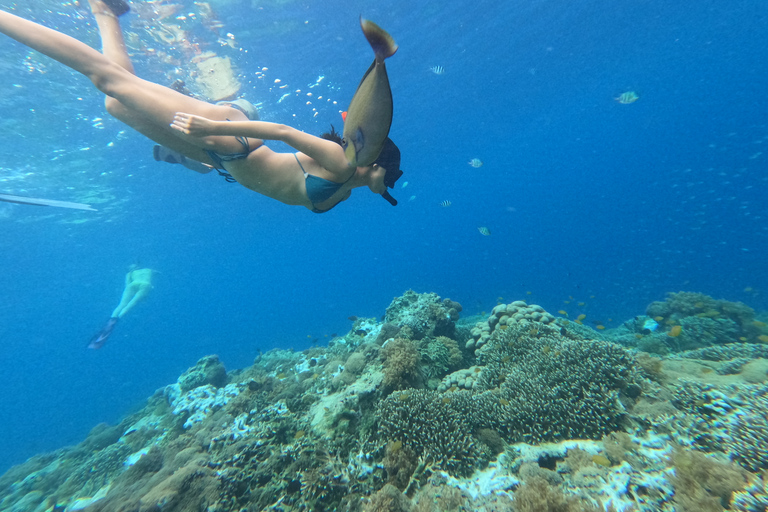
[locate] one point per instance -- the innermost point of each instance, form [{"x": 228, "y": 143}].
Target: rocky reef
[{"x": 420, "y": 412}]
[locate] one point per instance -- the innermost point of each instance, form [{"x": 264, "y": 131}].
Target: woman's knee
[
  {"x": 114, "y": 107},
  {"x": 109, "y": 78}
]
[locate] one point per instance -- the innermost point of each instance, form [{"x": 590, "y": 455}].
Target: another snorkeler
[
  {"x": 138, "y": 283},
  {"x": 318, "y": 176}
]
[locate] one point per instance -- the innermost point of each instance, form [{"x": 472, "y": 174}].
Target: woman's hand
[{"x": 193, "y": 125}]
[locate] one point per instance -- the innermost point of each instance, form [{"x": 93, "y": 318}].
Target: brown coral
[
  {"x": 537, "y": 495},
  {"x": 401, "y": 364},
  {"x": 388, "y": 499},
  {"x": 702, "y": 484}
]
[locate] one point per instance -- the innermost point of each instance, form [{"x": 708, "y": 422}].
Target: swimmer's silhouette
[{"x": 138, "y": 283}]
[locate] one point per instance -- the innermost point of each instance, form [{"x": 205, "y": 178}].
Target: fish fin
[
  {"x": 382, "y": 43},
  {"x": 359, "y": 141}
]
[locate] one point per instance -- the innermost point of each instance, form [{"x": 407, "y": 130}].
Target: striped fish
[
  {"x": 627, "y": 97},
  {"x": 484, "y": 231}
]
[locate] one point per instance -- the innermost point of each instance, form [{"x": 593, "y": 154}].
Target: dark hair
[{"x": 333, "y": 136}]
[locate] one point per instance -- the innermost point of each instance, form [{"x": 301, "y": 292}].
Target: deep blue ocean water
[{"x": 587, "y": 200}]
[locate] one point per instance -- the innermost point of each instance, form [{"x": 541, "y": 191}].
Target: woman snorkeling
[{"x": 318, "y": 176}]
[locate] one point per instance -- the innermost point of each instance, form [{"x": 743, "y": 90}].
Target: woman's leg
[
  {"x": 150, "y": 106},
  {"x": 112, "y": 42},
  {"x": 113, "y": 47}
]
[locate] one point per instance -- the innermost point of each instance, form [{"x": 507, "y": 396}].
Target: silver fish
[
  {"x": 369, "y": 116},
  {"x": 438, "y": 70},
  {"x": 476, "y": 162},
  {"x": 445, "y": 204},
  {"x": 484, "y": 231}
]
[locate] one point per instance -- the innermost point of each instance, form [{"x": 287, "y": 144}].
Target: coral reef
[
  {"x": 754, "y": 497},
  {"x": 208, "y": 370},
  {"x": 705, "y": 321},
  {"x": 425, "y": 314},
  {"x": 401, "y": 361},
  {"x": 703, "y": 483},
  {"x": 506, "y": 315},
  {"x": 549, "y": 387},
  {"x": 418, "y": 413},
  {"x": 732, "y": 419}
]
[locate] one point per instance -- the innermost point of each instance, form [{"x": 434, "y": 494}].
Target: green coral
[{"x": 439, "y": 356}]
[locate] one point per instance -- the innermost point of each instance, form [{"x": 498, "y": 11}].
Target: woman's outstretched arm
[{"x": 327, "y": 153}]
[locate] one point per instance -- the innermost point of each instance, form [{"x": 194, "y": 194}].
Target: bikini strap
[
  {"x": 296, "y": 155},
  {"x": 242, "y": 140}
]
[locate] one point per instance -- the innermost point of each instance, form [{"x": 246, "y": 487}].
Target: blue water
[{"x": 587, "y": 200}]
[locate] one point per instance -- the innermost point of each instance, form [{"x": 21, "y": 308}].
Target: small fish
[
  {"x": 405, "y": 184},
  {"x": 445, "y": 204},
  {"x": 412, "y": 198},
  {"x": 675, "y": 331},
  {"x": 628, "y": 97},
  {"x": 484, "y": 231},
  {"x": 438, "y": 70},
  {"x": 361, "y": 332},
  {"x": 476, "y": 162}
]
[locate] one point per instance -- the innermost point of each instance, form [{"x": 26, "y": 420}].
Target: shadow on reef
[{"x": 521, "y": 411}]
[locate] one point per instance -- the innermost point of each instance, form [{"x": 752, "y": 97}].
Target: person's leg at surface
[
  {"x": 112, "y": 42},
  {"x": 113, "y": 47},
  {"x": 152, "y": 104}
]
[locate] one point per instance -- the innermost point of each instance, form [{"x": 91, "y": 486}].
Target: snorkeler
[
  {"x": 318, "y": 176},
  {"x": 138, "y": 283}
]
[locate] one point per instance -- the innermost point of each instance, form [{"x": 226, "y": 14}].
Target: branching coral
[
  {"x": 754, "y": 497},
  {"x": 438, "y": 428},
  {"x": 547, "y": 387},
  {"x": 732, "y": 419}
]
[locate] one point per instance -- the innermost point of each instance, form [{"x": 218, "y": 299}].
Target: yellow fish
[
  {"x": 628, "y": 97},
  {"x": 369, "y": 116}
]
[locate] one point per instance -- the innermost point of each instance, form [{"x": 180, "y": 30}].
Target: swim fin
[
  {"x": 100, "y": 338},
  {"x": 118, "y": 7},
  {"x": 164, "y": 154}
]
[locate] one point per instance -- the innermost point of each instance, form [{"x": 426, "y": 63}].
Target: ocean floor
[{"x": 521, "y": 409}]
